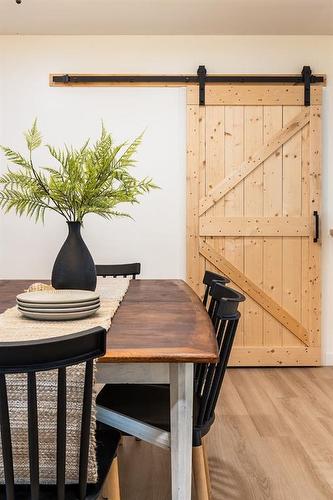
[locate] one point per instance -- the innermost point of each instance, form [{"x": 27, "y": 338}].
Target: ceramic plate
[
  {"x": 50, "y": 305},
  {"x": 58, "y": 316},
  {"x": 58, "y": 296},
  {"x": 57, "y": 310}
]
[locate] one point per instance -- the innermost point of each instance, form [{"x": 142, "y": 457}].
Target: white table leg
[{"x": 181, "y": 408}]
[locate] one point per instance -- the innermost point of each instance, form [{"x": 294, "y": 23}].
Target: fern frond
[
  {"x": 33, "y": 137},
  {"x": 59, "y": 155},
  {"x": 90, "y": 179},
  {"x": 16, "y": 158},
  {"x": 126, "y": 159}
]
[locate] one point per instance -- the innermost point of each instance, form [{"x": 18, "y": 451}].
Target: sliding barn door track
[{"x": 202, "y": 78}]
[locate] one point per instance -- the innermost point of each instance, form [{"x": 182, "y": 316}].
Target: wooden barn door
[{"x": 253, "y": 185}]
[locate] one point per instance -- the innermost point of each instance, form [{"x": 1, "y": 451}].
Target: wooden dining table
[{"x": 160, "y": 330}]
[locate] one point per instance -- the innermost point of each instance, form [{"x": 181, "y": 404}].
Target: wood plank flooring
[{"x": 272, "y": 439}]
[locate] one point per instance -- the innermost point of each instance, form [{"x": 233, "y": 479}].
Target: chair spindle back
[
  {"x": 29, "y": 358},
  {"x": 225, "y": 319},
  {"x": 115, "y": 270},
  {"x": 208, "y": 280}
]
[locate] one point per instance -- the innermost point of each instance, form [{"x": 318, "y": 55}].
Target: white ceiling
[{"x": 167, "y": 17}]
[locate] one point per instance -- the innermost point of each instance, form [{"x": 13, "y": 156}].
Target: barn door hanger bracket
[
  {"x": 202, "y": 74},
  {"x": 307, "y": 77}
]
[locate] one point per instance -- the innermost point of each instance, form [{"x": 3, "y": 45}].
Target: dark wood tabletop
[{"x": 158, "y": 321}]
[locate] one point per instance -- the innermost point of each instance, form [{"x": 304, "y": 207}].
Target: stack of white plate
[{"x": 58, "y": 305}]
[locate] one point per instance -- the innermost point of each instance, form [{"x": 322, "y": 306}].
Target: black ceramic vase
[{"x": 74, "y": 267}]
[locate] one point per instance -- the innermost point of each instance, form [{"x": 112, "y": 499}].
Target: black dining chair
[
  {"x": 150, "y": 403},
  {"x": 216, "y": 293},
  {"x": 208, "y": 279},
  {"x": 30, "y": 358},
  {"x": 116, "y": 270}
]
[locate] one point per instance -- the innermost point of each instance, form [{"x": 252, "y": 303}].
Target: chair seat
[
  {"x": 107, "y": 440},
  {"x": 148, "y": 403}
]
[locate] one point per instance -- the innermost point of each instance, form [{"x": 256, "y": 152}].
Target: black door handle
[{"x": 316, "y": 231}]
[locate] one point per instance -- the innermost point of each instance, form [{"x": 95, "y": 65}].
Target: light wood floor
[{"x": 272, "y": 439}]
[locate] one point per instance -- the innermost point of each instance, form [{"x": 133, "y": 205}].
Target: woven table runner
[{"x": 14, "y": 327}]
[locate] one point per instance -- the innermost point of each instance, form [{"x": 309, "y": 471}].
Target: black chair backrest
[
  {"x": 209, "y": 381},
  {"x": 31, "y": 357},
  {"x": 216, "y": 293},
  {"x": 115, "y": 270},
  {"x": 208, "y": 279}
]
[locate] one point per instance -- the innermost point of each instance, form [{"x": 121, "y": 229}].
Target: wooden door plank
[
  {"x": 275, "y": 356},
  {"x": 202, "y": 186},
  {"x": 255, "y": 292},
  {"x": 234, "y": 201},
  {"x": 194, "y": 263},
  {"x": 315, "y": 248},
  {"x": 305, "y": 288},
  {"x": 255, "y": 226},
  {"x": 254, "y": 160},
  {"x": 192, "y": 95},
  {"x": 272, "y": 246},
  {"x": 214, "y": 166},
  {"x": 292, "y": 207},
  {"x": 259, "y": 95},
  {"x": 253, "y": 206}
]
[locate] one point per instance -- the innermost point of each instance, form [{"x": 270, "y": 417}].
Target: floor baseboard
[{"x": 328, "y": 359}]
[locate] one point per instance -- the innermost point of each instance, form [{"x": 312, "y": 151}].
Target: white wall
[{"x": 157, "y": 236}]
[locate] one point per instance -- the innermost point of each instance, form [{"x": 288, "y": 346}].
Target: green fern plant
[{"x": 92, "y": 179}]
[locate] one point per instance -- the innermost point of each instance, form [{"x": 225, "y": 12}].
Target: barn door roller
[
  {"x": 202, "y": 73},
  {"x": 306, "y": 75},
  {"x": 201, "y": 78}
]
